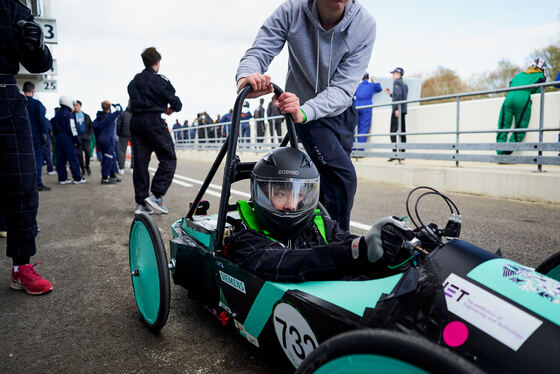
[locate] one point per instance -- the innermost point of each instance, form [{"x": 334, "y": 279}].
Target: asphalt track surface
[{"x": 90, "y": 322}]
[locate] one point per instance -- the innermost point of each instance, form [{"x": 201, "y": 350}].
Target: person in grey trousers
[{"x": 123, "y": 132}]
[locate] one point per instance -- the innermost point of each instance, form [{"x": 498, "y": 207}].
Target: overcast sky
[{"x": 202, "y": 41}]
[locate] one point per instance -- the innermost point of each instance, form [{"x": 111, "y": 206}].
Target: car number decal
[
  {"x": 294, "y": 334},
  {"x": 235, "y": 283},
  {"x": 496, "y": 317}
]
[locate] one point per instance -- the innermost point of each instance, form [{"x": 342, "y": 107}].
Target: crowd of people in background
[
  {"x": 209, "y": 130},
  {"x": 68, "y": 140}
]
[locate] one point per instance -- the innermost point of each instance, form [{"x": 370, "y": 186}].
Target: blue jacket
[
  {"x": 104, "y": 126},
  {"x": 63, "y": 124},
  {"x": 365, "y": 91},
  {"x": 39, "y": 124},
  {"x": 557, "y": 79},
  {"x": 324, "y": 66}
]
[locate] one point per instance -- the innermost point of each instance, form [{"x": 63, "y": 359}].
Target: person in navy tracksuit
[
  {"x": 104, "y": 130},
  {"x": 67, "y": 140},
  {"x": 39, "y": 129},
  {"x": 364, "y": 96}
]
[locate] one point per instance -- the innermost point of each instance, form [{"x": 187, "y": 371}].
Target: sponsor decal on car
[
  {"x": 294, "y": 334},
  {"x": 501, "y": 320},
  {"x": 531, "y": 281},
  {"x": 239, "y": 326},
  {"x": 528, "y": 288},
  {"x": 235, "y": 283}
]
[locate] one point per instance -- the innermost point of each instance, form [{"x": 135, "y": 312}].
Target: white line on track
[{"x": 178, "y": 179}]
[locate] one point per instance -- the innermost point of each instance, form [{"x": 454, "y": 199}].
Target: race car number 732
[{"x": 294, "y": 334}]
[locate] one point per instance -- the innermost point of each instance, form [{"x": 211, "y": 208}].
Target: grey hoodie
[{"x": 325, "y": 67}]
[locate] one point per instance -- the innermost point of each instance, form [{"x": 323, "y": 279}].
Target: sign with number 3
[{"x": 294, "y": 334}]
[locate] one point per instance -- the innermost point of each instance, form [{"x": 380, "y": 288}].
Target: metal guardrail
[{"x": 187, "y": 138}]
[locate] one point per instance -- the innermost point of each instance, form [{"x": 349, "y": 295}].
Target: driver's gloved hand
[
  {"x": 385, "y": 238},
  {"x": 32, "y": 35}
]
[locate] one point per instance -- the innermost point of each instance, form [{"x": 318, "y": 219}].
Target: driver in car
[{"x": 282, "y": 236}]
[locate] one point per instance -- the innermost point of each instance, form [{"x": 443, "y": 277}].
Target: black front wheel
[
  {"x": 382, "y": 351},
  {"x": 149, "y": 271}
]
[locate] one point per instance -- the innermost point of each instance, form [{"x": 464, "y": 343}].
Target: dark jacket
[
  {"x": 39, "y": 124},
  {"x": 400, "y": 93},
  {"x": 310, "y": 259},
  {"x": 62, "y": 125},
  {"x": 259, "y": 114},
  {"x": 123, "y": 123},
  {"x": 150, "y": 93},
  {"x": 104, "y": 126},
  {"x": 273, "y": 111},
  {"x": 12, "y": 49}
]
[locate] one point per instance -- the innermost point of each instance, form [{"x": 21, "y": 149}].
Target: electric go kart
[{"x": 449, "y": 307}]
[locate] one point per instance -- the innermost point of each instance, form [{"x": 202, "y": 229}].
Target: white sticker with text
[{"x": 496, "y": 317}]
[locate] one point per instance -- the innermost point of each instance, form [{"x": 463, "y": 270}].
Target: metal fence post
[
  {"x": 457, "y": 129},
  {"x": 398, "y": 137},
  {"x": 541, "y": 126}
]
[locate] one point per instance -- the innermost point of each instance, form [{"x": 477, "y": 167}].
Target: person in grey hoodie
[{"x": 330, "y": 44}]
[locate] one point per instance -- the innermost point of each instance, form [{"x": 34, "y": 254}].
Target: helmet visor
[{"x": 288, "y": 196}]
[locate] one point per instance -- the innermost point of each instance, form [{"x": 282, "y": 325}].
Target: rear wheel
[
  {"x": 550, "y": 267},
  {"x": 149, "y": 271},
  {"x": 382, "y": 351}
]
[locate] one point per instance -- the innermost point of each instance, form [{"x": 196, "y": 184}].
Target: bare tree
[{"x": 443, "y": 81}]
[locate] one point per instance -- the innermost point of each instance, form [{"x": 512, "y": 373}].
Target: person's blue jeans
[{"x": 246, "y": 132}]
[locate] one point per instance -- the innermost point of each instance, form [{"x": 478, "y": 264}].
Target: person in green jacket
[{"x": 517, "y": 104}]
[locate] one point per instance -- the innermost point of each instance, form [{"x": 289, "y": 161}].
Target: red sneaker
[{"x": 27, "y": 279}]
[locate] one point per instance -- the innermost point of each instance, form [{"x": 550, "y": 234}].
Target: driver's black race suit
[{"x": 323, "y": 251}]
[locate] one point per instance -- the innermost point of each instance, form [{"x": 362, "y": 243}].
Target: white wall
[{"x": 475, "y": 115}]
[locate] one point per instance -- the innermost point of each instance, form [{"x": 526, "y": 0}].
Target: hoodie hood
[
  {"x": 100, "y": 115},
  {"x": 350, "y": 11}
]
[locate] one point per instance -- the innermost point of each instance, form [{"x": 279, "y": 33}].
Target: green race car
[{"x": 450, "y": 307}]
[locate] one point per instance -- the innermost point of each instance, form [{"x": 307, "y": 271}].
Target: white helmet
[
  {"x": 539, "y": 63},
  {"x": 66, "y": 101}
]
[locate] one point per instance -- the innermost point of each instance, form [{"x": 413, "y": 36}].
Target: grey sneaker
[
  {"x": 67, "y": 181},
  {"x": 143, "y": 209},
  {"x": 156, "y": 204},
  {"x": 83, "y": 180}
]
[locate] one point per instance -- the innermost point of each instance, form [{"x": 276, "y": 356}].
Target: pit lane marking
[{"x": 181, "y": 179}]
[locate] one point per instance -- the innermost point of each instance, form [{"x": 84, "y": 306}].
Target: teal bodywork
[
  {"x": 366, "y": 364},
  {"x": 526, "y": 287},
  {"x": 146, "y": 284},
  {"x": 354, "y": 296}
]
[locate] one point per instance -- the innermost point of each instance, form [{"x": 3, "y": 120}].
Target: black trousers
[
  {"x": 150, "y": 134},
  {"x": 123, "y": 145},
  {"x": 275, "y": 124},
  {"x": 84, "y": 151},
  {"x": 328, "y": 141},
  {"x": 261, "y": 128},
  {"x": 18, "y": 174},
  {"x": 395, "y": 126}
]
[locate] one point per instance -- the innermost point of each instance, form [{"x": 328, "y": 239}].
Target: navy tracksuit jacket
[
  {"x": 104, "y": 130},
  {"x": 66, "y": 137}
]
